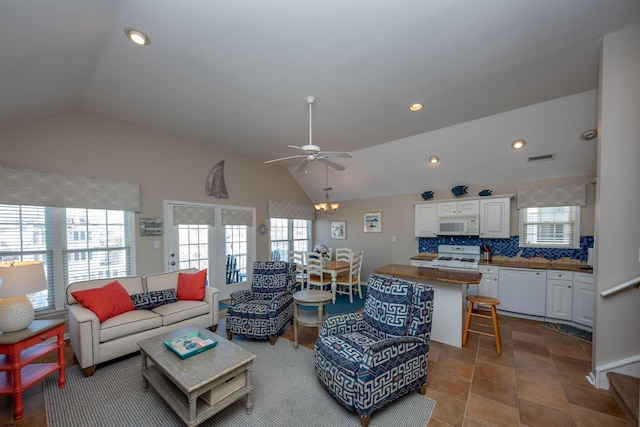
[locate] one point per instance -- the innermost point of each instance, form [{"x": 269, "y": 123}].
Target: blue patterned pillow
[
  {"x": 148, "y": 300},
  {"x": 387, "y": 307}
]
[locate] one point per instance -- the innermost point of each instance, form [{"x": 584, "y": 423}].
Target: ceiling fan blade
[
  {"x": 302, "y": 166},
  {"x": 342, "y": 154},
  {"x": 286, "y": 158},
  {"x": 332, "y": 164}
]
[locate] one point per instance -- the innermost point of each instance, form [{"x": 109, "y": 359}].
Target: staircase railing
[{"x": 622, "y": 286}]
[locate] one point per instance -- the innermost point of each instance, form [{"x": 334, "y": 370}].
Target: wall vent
[{"x": 541, "y": 158}]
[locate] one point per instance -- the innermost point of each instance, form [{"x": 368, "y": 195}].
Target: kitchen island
[{"x": 450, "y": 290}]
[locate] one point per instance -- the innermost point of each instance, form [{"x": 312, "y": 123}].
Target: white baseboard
[{"x": 629, "y": 366}]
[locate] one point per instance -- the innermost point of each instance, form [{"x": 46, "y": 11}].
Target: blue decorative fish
[
  {"x": 459, "y": 190},
  {"x": 427, "y": 195},
  {"x": 484, "y": 193}
]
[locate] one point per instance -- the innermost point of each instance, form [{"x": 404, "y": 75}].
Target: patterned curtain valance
[
  {"x": 27, "y": 187},
  {"x": 291, "y": 211},
  {"x": 202, "y": 215},
  {"x": 566, "y": 195},
  {"x": 237, "y": 217}
]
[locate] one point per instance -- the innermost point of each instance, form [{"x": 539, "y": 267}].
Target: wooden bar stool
[{"x": 482, "y": 300}]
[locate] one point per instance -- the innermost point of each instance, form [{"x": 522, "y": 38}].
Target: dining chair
[
  {"x": 297, "y": 258},
  {"x": 316, "y": 276},
  {"x": 343, "y": 254},
  {"x": 347, "y": 281}
]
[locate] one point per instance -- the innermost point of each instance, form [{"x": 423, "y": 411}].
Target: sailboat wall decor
[{"x": 215, "y": 182}]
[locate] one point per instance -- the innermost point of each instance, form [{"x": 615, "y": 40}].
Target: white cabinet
[
  {"x": 426, "y": 220},
  {"x": 489, "y": 284},
  {"x": 583, "y": 298},
  {"x": 495, "y": 216},
  {"x": 559, "y": 294},
  {"x": 461, "y": 207},
  {"x": 420, "y": 263}
]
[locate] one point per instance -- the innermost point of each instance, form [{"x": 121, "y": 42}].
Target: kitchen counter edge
[{"x": 428, "y": 273}]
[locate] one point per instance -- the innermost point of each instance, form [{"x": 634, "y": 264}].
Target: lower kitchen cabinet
[
  {"x": 559, "y": 294},
  {"x": 583, "y": 298},
  {"x": 488, "y": 286}
]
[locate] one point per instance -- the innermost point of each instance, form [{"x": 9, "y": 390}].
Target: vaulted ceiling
[{"x": 235, "y": 73}]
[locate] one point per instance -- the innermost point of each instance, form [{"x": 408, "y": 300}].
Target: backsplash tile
[{"x": 508, "y": 247}]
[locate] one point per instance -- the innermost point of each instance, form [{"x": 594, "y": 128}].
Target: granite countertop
[
  {"x": 540, "y": 264},
  {"x": 428, "y": 273},
  {"x": 425, "y": 256}
]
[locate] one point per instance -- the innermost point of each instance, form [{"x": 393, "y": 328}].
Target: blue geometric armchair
[
  {"x": 366, "y": 360},
  {"x": 262, "y": 311}
]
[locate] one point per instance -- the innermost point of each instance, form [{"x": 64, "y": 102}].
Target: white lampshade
[{"x": 18, "y": 279}]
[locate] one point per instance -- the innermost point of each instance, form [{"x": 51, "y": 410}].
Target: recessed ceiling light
[
  {"x": 137, "y": 36},
  {"x": 416, "y": 107},
  {"x": 434, "y": 160},
  {"x": 589, "y": 135},
  {"x": 518, "y": 144}
]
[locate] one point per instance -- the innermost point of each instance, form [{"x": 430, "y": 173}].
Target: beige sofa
[{"x": 94, "y": 342}]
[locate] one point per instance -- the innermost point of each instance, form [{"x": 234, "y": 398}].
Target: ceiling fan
[{"x": 312, "y": 152}]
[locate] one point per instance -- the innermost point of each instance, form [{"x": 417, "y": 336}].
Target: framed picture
[
  {"x": 150, "y": 226},
  {"x": 338, "y": 230},
  {"x": 373, "y": 222}
]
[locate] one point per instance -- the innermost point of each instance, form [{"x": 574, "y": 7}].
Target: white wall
[{"x": 618, "y": 203}]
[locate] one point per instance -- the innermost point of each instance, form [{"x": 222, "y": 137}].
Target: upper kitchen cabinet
[
  {"x": 495, "y": 216},
  {"x": 459, "y": 207},
  {"x": 426, "y": 220}
]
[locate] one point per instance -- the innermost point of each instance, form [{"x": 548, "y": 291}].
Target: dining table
[{"x": 334, "y": 268}]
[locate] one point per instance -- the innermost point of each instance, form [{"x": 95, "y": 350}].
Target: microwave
[{"x": 459, "y": 225}]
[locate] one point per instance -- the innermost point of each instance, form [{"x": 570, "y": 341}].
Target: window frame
[
  {"x": 522, "y": 223},
  {"x": 292, "y": 226}
]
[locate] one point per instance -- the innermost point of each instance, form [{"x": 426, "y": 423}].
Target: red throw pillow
[
  {"x": 191, "y": 285},
  {"x": 106, "y": 302}
]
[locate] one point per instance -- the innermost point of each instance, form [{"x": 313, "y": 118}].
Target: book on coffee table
[{"x": 191, "y": 344}]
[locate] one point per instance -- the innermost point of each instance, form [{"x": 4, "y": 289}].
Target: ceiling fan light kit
[{"x": 311, "y": 152}]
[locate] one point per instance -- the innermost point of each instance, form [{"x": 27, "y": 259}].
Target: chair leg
[
  {"x": 496, "y": 329},
  {"x": 272, "y": 340},
  {"x": 364, "y": 421},
  {"x": 467, "y": 323},
  {"x": 229, "y": 336}
]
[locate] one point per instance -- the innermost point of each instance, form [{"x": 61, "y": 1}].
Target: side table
[
  {"x": 18, "y": 351},
  {"x": 313, "y": 298}
]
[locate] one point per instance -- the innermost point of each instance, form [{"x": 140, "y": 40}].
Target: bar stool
[{"x": 482, "y": 300}]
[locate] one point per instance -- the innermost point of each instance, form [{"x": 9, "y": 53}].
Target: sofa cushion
[
  {"x": 181, "y": 310},
  {"x": 386, "y": 309},
  {"x": 191, "y": 286},
  {"x": 345, "y": 351},
  {"x": 129, "y": 323},
  {"x": 106, "y": 302},
  {"x": 169, "y": 279},
  {"x": 147, "y": 300}
]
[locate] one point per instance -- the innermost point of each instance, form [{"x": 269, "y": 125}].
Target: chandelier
[{"x": 327, "y": 207}]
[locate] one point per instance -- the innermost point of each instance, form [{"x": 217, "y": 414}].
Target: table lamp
[{"x": 17, "y": 280}]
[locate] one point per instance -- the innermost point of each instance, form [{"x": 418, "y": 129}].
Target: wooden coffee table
[
  {"x": 202, "y": 385},
  {"x": 311, "y": 298}
]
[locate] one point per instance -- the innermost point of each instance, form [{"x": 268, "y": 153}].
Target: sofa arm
[
  {"x": 403, "y": 349},
  {"x": 240, "y": 296},
  {"x": 212, "y": 296},
  {"x": 280, "y": 300},
  {"x": 84, "y": 335},
  {"x": 342, "y": 324}
]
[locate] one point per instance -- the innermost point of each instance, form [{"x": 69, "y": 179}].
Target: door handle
[{"x": 173, "y": 263}]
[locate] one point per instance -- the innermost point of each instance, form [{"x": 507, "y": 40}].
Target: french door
[{"x": 216, "y": 237}]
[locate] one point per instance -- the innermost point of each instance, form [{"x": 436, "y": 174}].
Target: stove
[{"x": 457, "y": 257}]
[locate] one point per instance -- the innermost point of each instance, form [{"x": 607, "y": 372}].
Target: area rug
[
  {"x": 342, "y": 304},
  {"x": 286, "y": 394},
  {"x": 569, "y": 330}
]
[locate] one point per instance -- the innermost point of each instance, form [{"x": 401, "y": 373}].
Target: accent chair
[
  {"x": 367, "y": 360},
  {"x": 262, "y": 311}
]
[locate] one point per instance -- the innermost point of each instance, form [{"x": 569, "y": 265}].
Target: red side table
[{"x": 18, "y": 352}]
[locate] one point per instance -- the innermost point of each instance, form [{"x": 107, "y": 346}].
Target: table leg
[
  {"x": 320, "y": 316},
  {"x": 250, "y": 387},
  {"x": 295, "y": 324},
  {"x": 334, "y": 284},
  {"x": 18, "y": 407},
  {"x": 61, "y": 362}
]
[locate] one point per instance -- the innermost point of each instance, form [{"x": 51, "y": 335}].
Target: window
[
  {"x": 73, "y": 244},
  {"x": 236, "y": 237},
  {"x": 557, "y": 227},
  {"x": 289, "y": 235}
]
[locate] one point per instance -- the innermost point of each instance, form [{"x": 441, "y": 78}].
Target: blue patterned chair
[
  {"x": 366, "y": 360},
  {"x": 262, "y": 311}
]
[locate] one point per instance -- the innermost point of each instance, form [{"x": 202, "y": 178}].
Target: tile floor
[{"x": 538, "y": 381}]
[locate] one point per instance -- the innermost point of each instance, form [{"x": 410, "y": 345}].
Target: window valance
[
  {"x": 27, "y": 187},
  {"x": 237, "y": 217},
  {"x": 565, "y": 195},
  {"x": 200, "y": 215},
  {"x": 291, "y": 211}
]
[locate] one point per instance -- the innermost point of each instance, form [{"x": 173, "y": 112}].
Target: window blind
[
  {"x": 291, "y": 211},
  {"x": 27, "y": 187},
  {"x": 237, "y": 217},
  {"x": 550, "y": 226},
  {"x": 565, "y": 195},
  {"x": 194, "y": 215}
]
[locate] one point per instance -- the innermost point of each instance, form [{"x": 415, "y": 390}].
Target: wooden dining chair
[
  {"x": 347, "y": 281},
  {"x": 343, "y": 254},
  {"x": 316, "y": 276},
  {"x": 297, "y": 258}
]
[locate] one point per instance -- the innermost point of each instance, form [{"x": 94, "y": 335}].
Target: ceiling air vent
[{"x": 541, "y": 158}]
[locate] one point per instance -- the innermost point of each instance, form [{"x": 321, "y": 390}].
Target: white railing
[{"x": 629, "y": 283}]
